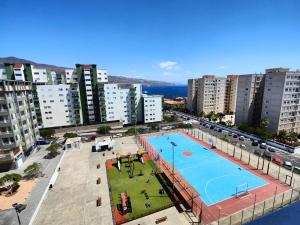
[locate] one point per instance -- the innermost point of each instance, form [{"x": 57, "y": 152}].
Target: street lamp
[
  {"x": 16, "y": 209},
  {"x": 173, "y": 146}
]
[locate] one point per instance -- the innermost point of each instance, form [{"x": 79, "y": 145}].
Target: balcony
[
  {"x": 6, "y": 156},
  {"x": 9, "y": 145},
  {"x": 5, "y": 123},
  {"x": 3, "y": 112},
  {"x": 5, "y": 134},
  {"x": 2, "y": 100}
]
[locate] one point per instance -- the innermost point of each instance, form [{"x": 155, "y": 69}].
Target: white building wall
[
  {"x": 102, "y": 76},
  {"x": 152, "y": 108},
  {"x": 39, "y": 75},
  {"x": 19, "y": 72},
  {"x": 56, "y": 105},
  {"x": 3, "y": 75},
  {"x": 71, "y": 76}
]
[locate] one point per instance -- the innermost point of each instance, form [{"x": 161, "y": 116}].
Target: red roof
[
  {"x": 18, "y": 65},
  {"x": 86, "y": 67}
]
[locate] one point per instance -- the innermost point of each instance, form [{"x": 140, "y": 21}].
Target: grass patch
[{"x": 120, "y": 182}]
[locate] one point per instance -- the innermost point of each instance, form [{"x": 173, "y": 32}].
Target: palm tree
[
  {"x": 211, "y": 116},
  {"x": 265, "y": 122},
  {"x": 282, "y": 135},
  {"x": 201, "y": 114},
  {"x": 220, "y": 116},
  {"x": 292, "y": 137}
]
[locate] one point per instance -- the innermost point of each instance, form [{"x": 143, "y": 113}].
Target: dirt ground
[{"x": 20, "y": 196}]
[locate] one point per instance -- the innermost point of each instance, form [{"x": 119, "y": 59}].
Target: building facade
[
  {"x": 18, "y": 123},
  {"x": 192, "y": 95},
  {"x": 59, "y": 105},
  {"x": 281, "y": 100},
  {"x": 249, "y": 98},
  {"x": 152, "y": 107}
]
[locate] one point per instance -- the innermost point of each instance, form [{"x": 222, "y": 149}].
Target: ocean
[{"x": 168, "y": 91}]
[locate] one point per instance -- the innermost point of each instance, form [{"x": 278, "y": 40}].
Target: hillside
[{"x": 59, "y": 69}]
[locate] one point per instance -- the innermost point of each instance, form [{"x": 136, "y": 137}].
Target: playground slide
[
  {"x": 119, "y": 165},
  {"x": 142, "y": 160}
]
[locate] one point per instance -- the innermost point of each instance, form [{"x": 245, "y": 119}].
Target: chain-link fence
[{"x": 230, "y": 215}]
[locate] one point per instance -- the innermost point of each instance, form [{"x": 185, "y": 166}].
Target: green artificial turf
[{"x": 120, "y": 182}]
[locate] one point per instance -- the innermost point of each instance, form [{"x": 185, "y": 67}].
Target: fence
[{"x": 230, "y": 215}]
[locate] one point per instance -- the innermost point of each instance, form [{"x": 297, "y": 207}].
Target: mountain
[{"x": 60, "y": 69}]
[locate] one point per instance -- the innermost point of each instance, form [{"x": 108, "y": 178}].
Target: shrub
[
  {"x": 10, "y": 177},
  {"x": 133, "y": 131},
  {"x": 103, "y": 129},
  {"x": 53, "y": 150},
  {"x": 47, "y": 133},
  {"x": 15, "y": 186},
  {"x": 182, "y": 125},
  {"x": 33, "y": 170},
  {"x": 70, "y": 135}
]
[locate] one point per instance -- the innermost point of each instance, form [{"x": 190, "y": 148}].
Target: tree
[
  {"x": 33, "y": 170},
  {"x": 265, "y": 122},
  {"x": 10, "y": 177},
  {"x": 282, "y": 136},
  {"x": 171, "y": 118},
  {"x": 211, "y": 116},
  {"x": 220, "y": 116},
  {"x": 201, "y": 114},
  {"x": 103, "y": 129},
  {"x": 47, "y": 133},
  {"x": 70, "y": 135},
  {"x": 229, "y": 123},
  {"x": 292, "y": 137},
  {"x": 53, "y": 150}
]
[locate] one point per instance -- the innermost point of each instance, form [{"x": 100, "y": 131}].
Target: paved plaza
[{"x": 72, "y": 200}]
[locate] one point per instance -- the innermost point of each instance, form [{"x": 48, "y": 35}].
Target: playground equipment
[
  {"x": 125, "y": 203},
  {"x": 139, "y": 154},
  {"x": 119, "y": 156},
  {"x": 242, "y": 190},
  {"x": 131, "y": 164}
]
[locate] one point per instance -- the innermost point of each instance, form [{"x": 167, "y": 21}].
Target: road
[{"x": 285, "y": 156}]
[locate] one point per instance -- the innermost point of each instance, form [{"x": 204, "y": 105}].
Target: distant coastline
[{"x": 168, "y": 91}]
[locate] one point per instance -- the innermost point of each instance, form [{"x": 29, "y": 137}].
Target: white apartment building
[
  {"x": 152, "y": 105},
  {"x": 39, "y": 75},
  {"x": 281, "y": 100},
  {"x": 18, "y": 123},
  {"x": 120, "y": 102},
  {"x": 59, "y": 105}
]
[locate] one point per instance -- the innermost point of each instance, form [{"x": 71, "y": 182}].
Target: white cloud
[
  {"x": 221, "y": 67},
  {"x": 169, "y": 65}
]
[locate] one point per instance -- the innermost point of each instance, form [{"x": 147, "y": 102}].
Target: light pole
[
  {"x": 173, "y": 146},
  {"x": 17, "y": 214}
]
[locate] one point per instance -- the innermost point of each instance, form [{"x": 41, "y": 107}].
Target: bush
[
  {"x": 70, "y": 135},
  {"x": 10, "y": 177},
  {"x": 133, "y": 131},
  {"x": 182, "y": 125},
  {"x": 15, "y": 186},
  {"x": 33, "y": 170},
  {"x": 53, "y": 150},
  {"x": 171, "y": 118},
  {"x": 103, "y": 129},
  {"x": 47, "y": 133}
]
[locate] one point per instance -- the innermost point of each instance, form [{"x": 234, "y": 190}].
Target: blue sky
[{"x": 168, "y": 40}]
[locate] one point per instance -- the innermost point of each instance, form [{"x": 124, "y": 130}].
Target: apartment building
[
  {"x": 230, "y": 94},
  {"x": 281, "y": 100},
  {"x": 120, "y": 102},
  {"x": 192, "y": 95},
  {"x": 88, "y": 78},
  {"x": 212, "y": 94},
  {"x": 152, "y": 105},
  {"x": 249, "y": 98},
  {"x": 18, "y": 123},
  {"x": 59, "y": 105}
]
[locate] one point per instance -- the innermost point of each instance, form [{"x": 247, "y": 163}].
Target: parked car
[
  {"x": 277, "y": 160},
  {"x": 207, "y": 126},
  {"x": 296, "y": 170},
  {"x": 211, "y": 127},
  {"x": 257, "y": 152},
  {"x": 234, "y": 135},
  {"x": 241, "y": 138},
  {"x": 220, "y": 130},
  {"x": 242, "y": 146},
  {"x": 229, "y": 134},
  {"x": 288, "y": 165},
  {"x": 42, "y": 142},
  {"x": 271, "y": 149},
  {"x": 216, "y": 129},
  {"x": 255, "y": 143},
  {"x": 267, "y": 155},
  {"x": 263, "y": 145}
]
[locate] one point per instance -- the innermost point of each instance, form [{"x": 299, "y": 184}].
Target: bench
[{"x": 161, "y": 219}]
